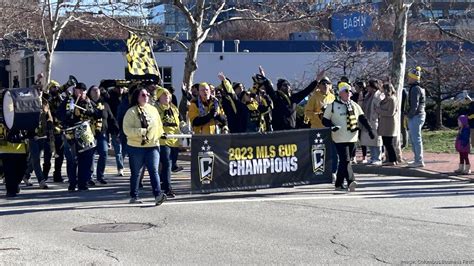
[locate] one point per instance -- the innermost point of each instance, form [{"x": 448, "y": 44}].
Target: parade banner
[{"x": 260, "y": 160}]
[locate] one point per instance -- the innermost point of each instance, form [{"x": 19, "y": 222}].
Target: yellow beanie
[
  {"x": 344, "y": 86},
  {"x": 159, "y": 91},
  {"x": 415, "y": 73},
  {"x": 53, "y": 83}
]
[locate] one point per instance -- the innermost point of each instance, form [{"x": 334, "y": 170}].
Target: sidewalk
[{"x": 437, "y": 165}]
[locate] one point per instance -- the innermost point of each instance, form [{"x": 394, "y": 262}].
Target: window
[
  {"x": 167, "y": 77},
  {"x": 28, "y": 72}
]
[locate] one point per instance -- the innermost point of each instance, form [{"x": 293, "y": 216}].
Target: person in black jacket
[
  {"x": 74, "y": 110},
  {"x": 114, "y": 100},
  {"x": 102, "y": 125},
  {"x": 231, "y": 105},
  {"x": 284, "y": 101}
]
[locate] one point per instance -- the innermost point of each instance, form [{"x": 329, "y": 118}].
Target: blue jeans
[
  {"x": 78, "y": 164},
  {"x": 166, "y": 163},
  {"x": 174, "y": 157},
  {"x": 375, "y": 152},
  {"x": 101, "y": 148},
  {"x": 139, "y": 157},
  {"x": 414, "y": 130},
  {"x": 34, "y": 162},
  {"x": 117, "y": 144}
]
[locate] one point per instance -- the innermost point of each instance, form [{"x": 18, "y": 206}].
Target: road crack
[
  {"x": 109, "y": 253},
  {"x": 5, "y": 249},
  {"x": 334, "y": 241}
]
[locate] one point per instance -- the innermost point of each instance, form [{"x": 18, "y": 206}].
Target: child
[{"x": 462, "y": 145}]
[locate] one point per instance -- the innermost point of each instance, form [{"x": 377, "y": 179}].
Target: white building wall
[{"x": 298, "y": 68}]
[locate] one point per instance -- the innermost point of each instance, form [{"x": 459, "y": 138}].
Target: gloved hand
[
  {"x": 259, "y": 79},
  {"x": 335, "y": 128},
  {"x": 371, "y": 134}
]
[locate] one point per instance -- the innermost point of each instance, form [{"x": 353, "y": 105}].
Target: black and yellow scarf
[{"x": 351, "y": 117}]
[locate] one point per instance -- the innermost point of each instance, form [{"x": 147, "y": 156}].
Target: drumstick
[{"x": 75, "y": 105}]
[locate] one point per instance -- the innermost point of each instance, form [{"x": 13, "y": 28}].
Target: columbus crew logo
[
  {"x": 206, "y": 163},
  {"x": 318, "y": 155}
]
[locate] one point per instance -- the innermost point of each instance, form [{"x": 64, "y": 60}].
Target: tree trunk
[
  {"x": 48, "y": 67},
  {"x": 399, "y": 63},
  {"x": 399, "y": 45},
  {"x": 439, "y": 115}
]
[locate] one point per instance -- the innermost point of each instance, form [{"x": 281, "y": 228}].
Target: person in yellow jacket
[
  {"x": 143, "y": 128},
  {"x": 205, "y": 113},
  {"x": 169, "y": 115},
  {"x": 14, "y": 159},
  {"x": 317, "y": 103}
]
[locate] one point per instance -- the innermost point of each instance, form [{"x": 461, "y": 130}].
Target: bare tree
[
  {"x": 203, "y": 16},
  {"x": 356, "y": 62},
  {"x": 18, "y": 26},
  {"x": 447, "y": 71}
]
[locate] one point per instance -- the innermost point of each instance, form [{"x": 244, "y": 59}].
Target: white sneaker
[
  {"x": 376, "y": 163},
  {"x": 120, "y": 172},
  {"x": 352, "y": 186},
  {"x": 43, "y": 185},
  {"x": 27, "y": 182}
]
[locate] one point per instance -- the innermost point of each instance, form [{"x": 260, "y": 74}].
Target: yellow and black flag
[{"x": 140, "y": 57}]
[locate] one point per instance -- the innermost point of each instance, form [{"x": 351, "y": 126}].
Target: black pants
[
  {"x": 59, "y": 156},
  {"x": 14, "y": 169},
  {"x": 390, "y": 150},
  {"x": 344, "y": 168}
]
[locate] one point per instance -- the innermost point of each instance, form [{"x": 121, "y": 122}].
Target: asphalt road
[{"x": 396, "y": 220}]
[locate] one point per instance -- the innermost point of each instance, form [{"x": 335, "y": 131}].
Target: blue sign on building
[{"x": 348, "y": 26}]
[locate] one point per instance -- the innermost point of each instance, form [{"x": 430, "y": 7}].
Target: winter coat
[
  {"x": 387, "y": 120},
  {"x": 370, "y": 105},
  {"x": 462, "y": 140},
  {"x": 315, "y": 107},
  {"x": 284, "y": 112}
]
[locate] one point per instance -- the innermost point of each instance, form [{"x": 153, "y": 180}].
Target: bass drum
[{"x": 21, "y": 108}]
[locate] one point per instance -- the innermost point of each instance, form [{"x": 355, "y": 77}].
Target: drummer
[{"x": 73, "y": 111}]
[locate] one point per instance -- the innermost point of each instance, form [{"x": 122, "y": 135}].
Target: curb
[{"x": 403, "y": 171}]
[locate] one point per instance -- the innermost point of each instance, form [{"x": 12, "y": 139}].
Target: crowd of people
[{"x": 135, "y": 120}]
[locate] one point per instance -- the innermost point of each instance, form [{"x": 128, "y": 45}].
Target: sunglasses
[{"x": 145, "y": 95}]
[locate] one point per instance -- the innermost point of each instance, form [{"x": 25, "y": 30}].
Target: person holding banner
[
  {"x": 343, "y": 116},
  {"x": 285, "y": 102},
  {"x": 205, "y": 113},
  {"x": 143, "y": 128}
]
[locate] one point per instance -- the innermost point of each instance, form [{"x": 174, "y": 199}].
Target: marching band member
[
  {"x": 76, "y": 109},
  {"x": 55, "y": 98},
  {"x": 39, "y": 141},
  {"x": 205, "y": 113},
  {"x": 143, "y": 128},
  {"x": 169, "y": 115},
  {"x": 100, "y": 127},
  {"x": 14, "y": 160}
]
